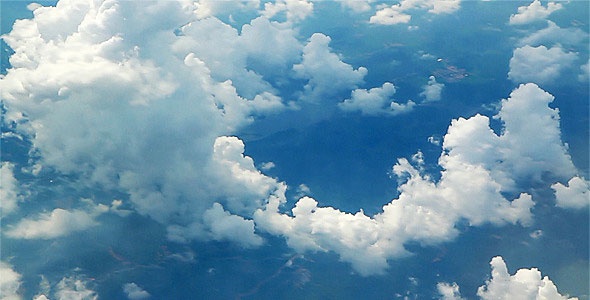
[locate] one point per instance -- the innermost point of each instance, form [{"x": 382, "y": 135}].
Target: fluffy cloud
[
  {"x": 533, "y": 12},
  {"x": 477, "y": 165},
  {"x": 134, "y": 292},
  {"x": 575, "y": 195},
  {"x": 71, "y": 288},
  {"x": 327, "y": 75},
  {"x": 554, "y": 34},
  {"x": 59, "y": 222},
  {"x": 139, "y": 109},
  {"x": 225, "y": 226},
  {"x": 524, "y": 284},
  {"x": 376, "y": 101},
  {"x": 397, "y": 13},
  {"x": 9, "y": 189},
  {"x": 432, "y": 90},
  {"x": 10, "y": 282},
  {"x": 448, "y": 291},
  {"x": 295, "y": 10},
  {"x": 539, "y": 64}
]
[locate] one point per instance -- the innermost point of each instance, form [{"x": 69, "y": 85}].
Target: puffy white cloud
[
  {"x": 477, "y": 165},
  {"x": 208, "y": 8},
  {"x": 10, "y": 282},
  {"x": 132, "y": 98},
  {"x": 539, "y": 64},
  {"x": 327, "y": 75},
  {"x": 134, "y": 292},
  {"x": 9, "y": 189},
  {"x": 575, "y": 195},
  {"x": 376, "y": 101},
  {"x": 295, "y": 10},
  {"x": 448, "y": 291},
  {"x": 397, "y": 13},
  {"x": 554, "y": 34},
  {"x": 225, "y": 226},
  {"x": 533, "y": 12},
  {"x": 432, "y": 90},
  {"x": 524, "y": 284},
  {"x": 59, "y": 222},
  {"x": 72, "y": 288},
  {"x": 584, "y": 72}
]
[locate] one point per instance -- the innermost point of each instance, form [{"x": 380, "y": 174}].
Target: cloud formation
[
  {"x": 432, "y": 90},
  {"x": 376, "y": 101},
  {"x": 134, "y": 292},
  {"x": 448, "y": 291},
  {"x": 478, "y": 166},
  {"x": 575, "y": 195},
  {"x": 327, "y": 75},
  {"x": 533, "y": 12},
  {"x": 524, "y": 284},
  {"x": 9, "y": 190},
  {"x": 10, "y": 282},
  {"x": 554, "y": 34},
  {"x": 398, "y": 13},
  {"x": 539, "y": 64}
]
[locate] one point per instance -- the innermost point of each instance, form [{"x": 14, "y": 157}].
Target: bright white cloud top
[
  {"x": 525, "y": 284},
  {"x": 146, "y": 110},
  {"x": 540, "y": 64},
  {"x": 534, "y": 12}
]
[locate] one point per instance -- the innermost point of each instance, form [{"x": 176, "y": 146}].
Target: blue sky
[{"x": 295, "y": 150}]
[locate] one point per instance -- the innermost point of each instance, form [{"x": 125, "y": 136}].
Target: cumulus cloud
[
  {"x": 397, "y": 13},
  {"x": 327, "y": 75},
  {"x": 132, "y": 98},
  {"x": 9, "y": 189},
  {"x": 477, "y": 165},
  {"x": 539, "y": 64},
  {"x": 134, "y": 292},
  {"x": 524, "y": 284},
  {"x": 533, "y": 12},
  {"x": 59, "y": 222},
  {"x": 432, "y": 90},
  {"x": 575, "y": 195},
  {"x": 225, "y": 226},
  {"x": 72, "y": 288},
  {"x": 294, "y": 10},
  {"x": 448, "y": 291},
  {"x": 10, "y": 282},
  {"x": 554, "y": 34},
  {"x": 376, "y": 101}
]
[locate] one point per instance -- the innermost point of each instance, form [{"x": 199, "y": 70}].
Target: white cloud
[
  {"x": 397, "y": 13},
  {"x": 225, "y": 226},
  {"x": 10, "y": 282},
  {"x": 59, "y": 222},
  {"x": 539, "y": 64},
  {"x": 134, "y": 292},
  {"x": 132, "y": 98},
  {"x": 533, "y": 12},
  {"x": 327, "y": 75},
  {"x": 554, "y": 34},
  {"x": 584, "y": 72},
  {"x": 524, "y": 284},
  {"x": 575, "y": 195},
  {"x": 478, "y": 166},
  {"x": 357, "y": 5},
  {"x": 295, "y": 10},
  {"x": 448, "y": 291},
  {"x": 432, "y": 90},
  {"x": 71, "y": 288},
  {"x": 376, "y": 101},
  {"x": 9, "y": 189},
  {"x": 267, "y": 166}
]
